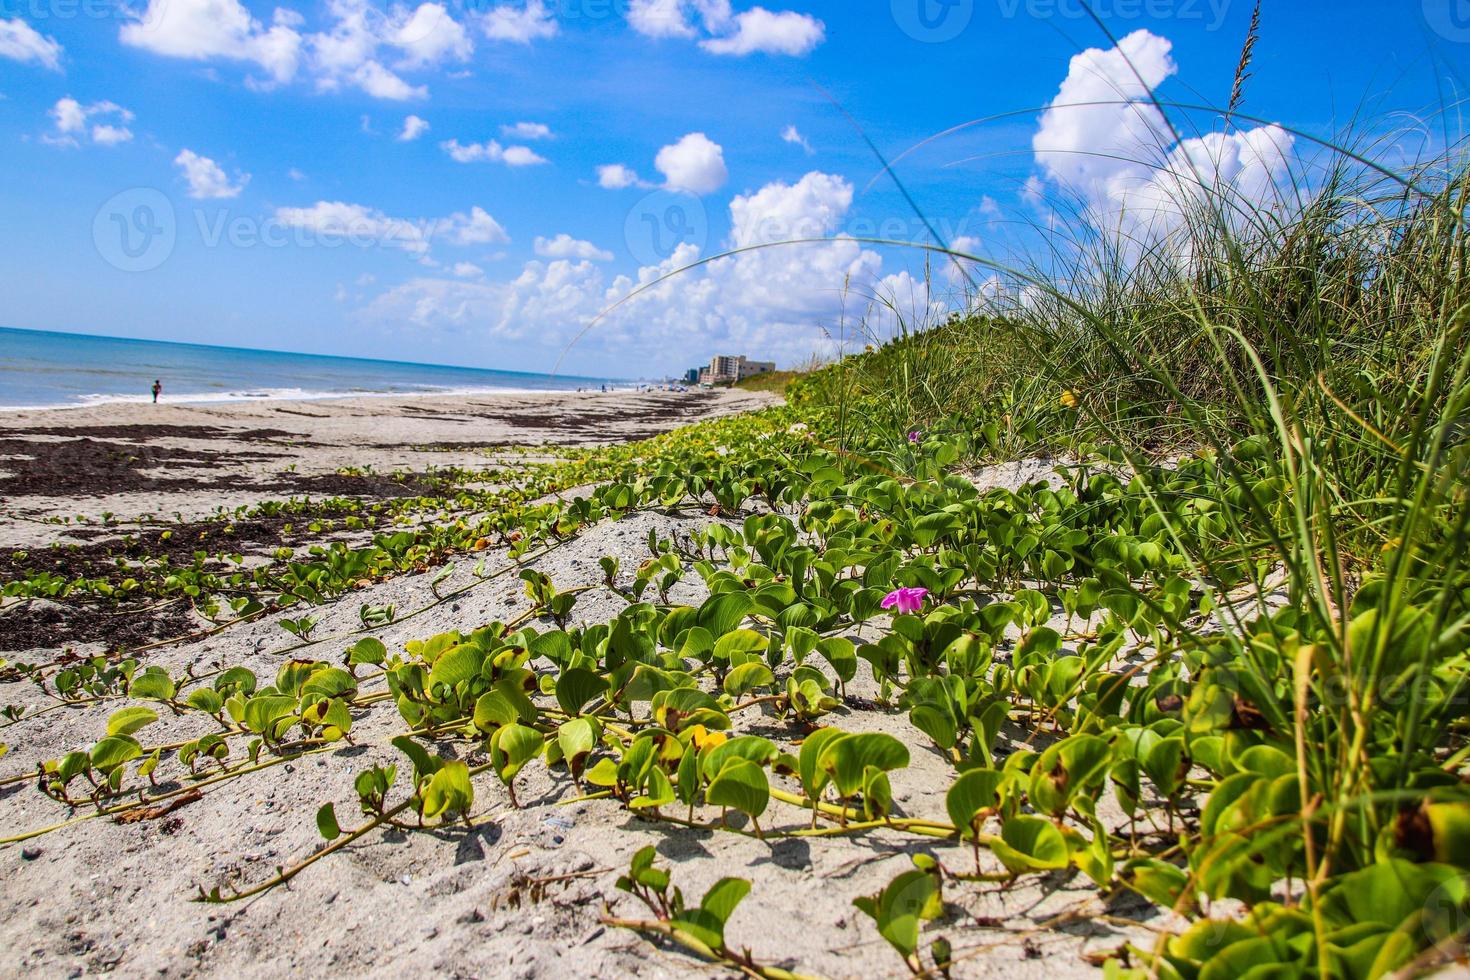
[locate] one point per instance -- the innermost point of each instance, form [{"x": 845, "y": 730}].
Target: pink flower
[
  {"x": 915, "y": 436},
  {"x": 905, "y": 600}
]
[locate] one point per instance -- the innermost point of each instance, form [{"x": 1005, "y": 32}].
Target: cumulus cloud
[
  {"x": 207, "y": 180},
  {"x": 1122, "y": 159},
  {"x": 363, "y": 226},
  {"x": 380, "y": 83},
  {"x": 491, "y": 152},
  {"x": 724, "y": 32},
  {"x": 526, "y": 131},
  {"x": 428, "y": 36},
  {"x": 616, "y": 176},
  {"x": 695, "y": 164},
  {"x": 362, "y": 47},
  {"x": 564, "y": 246},
  {"x": 413, "y": 128},
  {"x": 468, "y": 270},
  {"x": 21, "y": 42},
  {"x": 100, "y": 122},
  {"x": 520, "y": 23},
  {"x": 768, "y": 302},
  {"x": 760, "y": 30},
  {"x": 200, "y": 30}
]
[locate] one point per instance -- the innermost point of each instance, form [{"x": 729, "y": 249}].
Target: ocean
[{"x": 42, "y": 369}]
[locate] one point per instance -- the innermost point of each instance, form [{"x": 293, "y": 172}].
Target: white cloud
[
  {"x": 793, "y": 135},
  {"x": 1122, "y": 159},
  {"x": 295, "y": 174},
  {"x": 960, "y": 271},
  {"x": 207, "y": 180},
  {"x": 429, "y": 36},
  {"x": 359, "y": 225},
  {"x": 616, "y": 176},
  {"x": 769, "y": 303},
  {"x": 695, "y": 164},
  {"x": 521, "y": 24},
  {"x": 413, "y": 128},
  {"x": 660, "y": 18},
  {"x": 468, "y": 270},
  {"x": 21, "y": 42},
  {"x": 564, "y": 246},
  {"x": 355, "y": 50},
  {"x": 109, "y": 135},
  {"x": 200, "y": 30},
  {"x": 760, "y": 30},
  {"x": 381, "y": 83},
  {"x": 526, "y": 131},
  {"x": 101, "y": 122},
  {"x": 725, "y": 32},
  {"x": 476, "y": 229},
  {"x": 491, "y": 152}
]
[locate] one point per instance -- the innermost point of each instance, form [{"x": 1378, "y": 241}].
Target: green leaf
[
  {"x": 722, "y": 613},
  {"x": 751, "y": 748},
  {"x": 900, "y": 908},
  {"x": 368, "y": 650},
  {"x": 326, "y": 822},
  {"x": 424, "y": 764},
  {"x": 741, "y": 784},
  {"x": 740, "y": 641},
  {"x": 975, "y": 791},
  {"x": 114, "y": 751},
  {"x": 511, "y": 747},
  {"x": 576, "y": 687},
  {"x": 449, "y": 790},
  {"x": 129, "y": 720},
  {"x": 1030, "y": 843},
  {"x": 576, "y": 739},
  {"x": 264, "y": 710},
  {"x": 846, "y": 760},
  {"x": 459, "y": 664},
  {"x": 206, "y": 699},
  {"x": 813, "y": 777},
  {"x": 747, "y": 677},
  {"x": 154, "y": 684},
  {"x": 840, "y": 653},
  {"x": 707, "y": 923}
]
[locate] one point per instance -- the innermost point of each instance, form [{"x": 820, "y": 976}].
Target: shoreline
[
  {"x": 282, "y": 395},
  {"x": 132, "y": 459}
]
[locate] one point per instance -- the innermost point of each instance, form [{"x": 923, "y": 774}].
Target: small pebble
[{"x": 30, "y": 853}]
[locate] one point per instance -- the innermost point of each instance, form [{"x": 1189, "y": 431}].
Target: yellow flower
[
  {"x": 1391, "y": 544},
  {"x": 700, "y": 737},
  {"x": 1068, "y": 400}
]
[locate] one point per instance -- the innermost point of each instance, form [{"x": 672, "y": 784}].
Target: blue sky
[{"x": 471, "y": 181}]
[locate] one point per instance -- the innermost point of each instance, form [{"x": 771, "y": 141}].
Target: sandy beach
[
  {"x": 132, "y": 459},
  {"x": 522, "y": 894}
]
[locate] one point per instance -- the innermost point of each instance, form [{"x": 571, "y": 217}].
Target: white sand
[{"x": 99, "y": 896}]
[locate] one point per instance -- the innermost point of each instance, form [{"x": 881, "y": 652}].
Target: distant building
[
  {"x": 692, "y": 376},
  {"x": 725, "y": 369}
]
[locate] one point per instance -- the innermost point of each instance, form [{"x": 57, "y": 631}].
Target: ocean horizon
[{"x": 49, "y": 369}]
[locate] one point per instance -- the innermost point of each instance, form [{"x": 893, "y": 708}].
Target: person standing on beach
[{"x": 157, "y": 390}]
